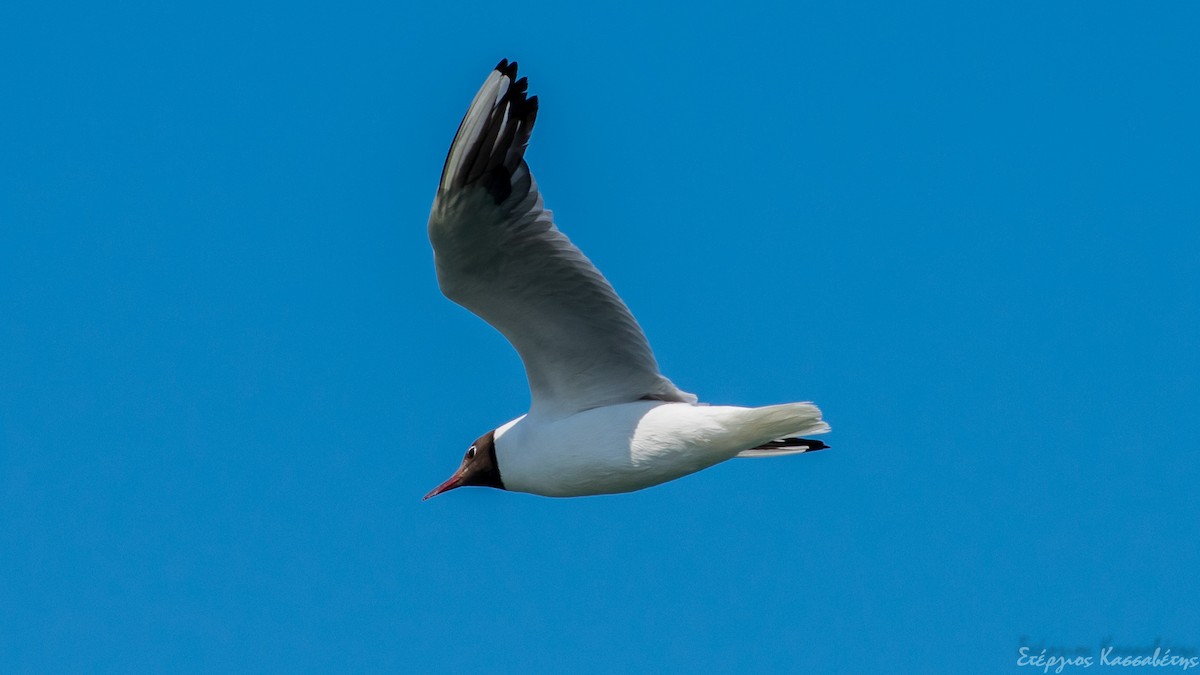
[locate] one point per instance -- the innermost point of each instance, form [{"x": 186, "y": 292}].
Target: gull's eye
[{"x": 471, "y": 453}]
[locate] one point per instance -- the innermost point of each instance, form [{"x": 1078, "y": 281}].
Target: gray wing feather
[{"x": 499, "y": 254}]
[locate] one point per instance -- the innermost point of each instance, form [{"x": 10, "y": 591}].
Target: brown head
[{"x": 479, "y": 467}]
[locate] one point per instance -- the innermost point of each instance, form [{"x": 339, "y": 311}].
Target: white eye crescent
[{"x": 471, "y": 453}]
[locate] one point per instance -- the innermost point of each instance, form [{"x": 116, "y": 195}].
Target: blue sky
[{"x": 227, "y": 375}]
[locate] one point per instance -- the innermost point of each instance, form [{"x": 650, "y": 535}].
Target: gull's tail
[{"x": 783, "y": 425}]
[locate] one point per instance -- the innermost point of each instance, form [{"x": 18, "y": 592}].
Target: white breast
[{"x": 617, "y": 448}]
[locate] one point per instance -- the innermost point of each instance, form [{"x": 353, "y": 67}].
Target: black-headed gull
[{"x": 602, "y": 418}]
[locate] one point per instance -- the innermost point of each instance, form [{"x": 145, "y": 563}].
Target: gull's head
[{"x": 479, "y": 467}]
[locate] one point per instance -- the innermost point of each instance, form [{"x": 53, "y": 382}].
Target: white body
[{"x": 622, "y": 448}]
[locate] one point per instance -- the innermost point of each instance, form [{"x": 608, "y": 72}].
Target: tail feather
[{"x": 783, "y": 428}]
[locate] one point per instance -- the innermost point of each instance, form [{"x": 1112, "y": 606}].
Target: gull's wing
[{"x": 499, "y": 255}]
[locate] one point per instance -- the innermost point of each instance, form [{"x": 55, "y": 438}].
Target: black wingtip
[
  {"x": 506, "y": 68},
  {"x": 793, "y": 444},
  {"x": 498, "y": 146}
]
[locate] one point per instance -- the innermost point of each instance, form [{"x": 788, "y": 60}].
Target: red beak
[{"x": 453, "y": 482}]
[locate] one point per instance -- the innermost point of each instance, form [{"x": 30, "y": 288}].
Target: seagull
[{"x": 602, "y": 418}]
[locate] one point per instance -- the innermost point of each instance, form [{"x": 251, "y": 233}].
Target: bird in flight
[{"x": 602, "y": 419}]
